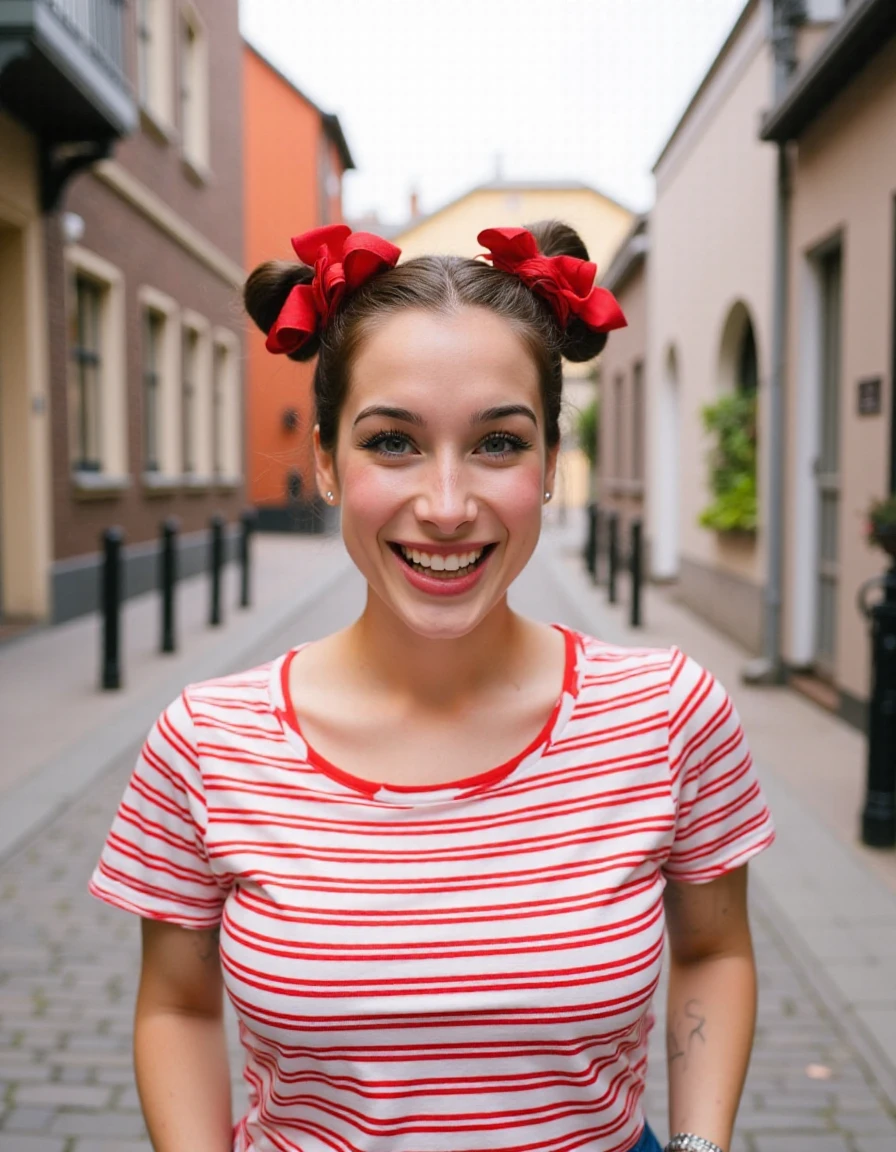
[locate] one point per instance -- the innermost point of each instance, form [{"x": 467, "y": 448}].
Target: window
[
  {"x": 638, "y": 421},
  {"x": 193, "y": 90},
  {"x": 87, "y": 356},
  {"x": 189, "y": 401},
  {"x": 154, "y": 80},
  {"x": 153, "y": 337},
  {"x": 97, "y": 372},
  {"x": 145, "y": 51},
  {"x": 226, "y": 409},
  {"x": 160, "y": 354},
  {"x": 619, "y": 427}
]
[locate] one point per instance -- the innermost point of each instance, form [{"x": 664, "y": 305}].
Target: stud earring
[
  {"x": 330, "y": 497},
  {"x": 547, "y": 497}
]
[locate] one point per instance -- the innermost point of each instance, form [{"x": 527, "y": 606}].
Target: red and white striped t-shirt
[{"x": 441, "y": 969}]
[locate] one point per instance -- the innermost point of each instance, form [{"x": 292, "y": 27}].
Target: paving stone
[
  {"x": 92, "y": 1144},
  {"x": 794, "y": 1143},
  {"x": 64, "y": 1095},
  {"x": 113, "y": 1125},
  {"x": 12, "y": 1142},
  {"x": 27, "y": 1119}
]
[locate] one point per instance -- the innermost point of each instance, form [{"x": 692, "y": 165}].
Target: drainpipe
[{"x": 769, "y": 668}]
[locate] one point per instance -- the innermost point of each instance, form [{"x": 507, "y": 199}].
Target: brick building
[
  {"x": 295, "y": 156},
  {"x": 141, "y": 343}
]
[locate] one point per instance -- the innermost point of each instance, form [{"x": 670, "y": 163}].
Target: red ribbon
[
  {"x": 566, "y": 282},
  {"x": 342, "y": 260}
]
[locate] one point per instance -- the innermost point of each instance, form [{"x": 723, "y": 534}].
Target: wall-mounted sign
[{"x": 869, "y": 396}]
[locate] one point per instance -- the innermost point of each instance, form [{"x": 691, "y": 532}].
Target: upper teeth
[{"x": 440, "y": 563}]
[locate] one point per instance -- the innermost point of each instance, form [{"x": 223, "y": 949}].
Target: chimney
[{"x": 415, "y": 204}]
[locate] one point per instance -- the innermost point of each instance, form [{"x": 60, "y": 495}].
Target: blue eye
[
  {"x": 387, "y": 443},
  {"x": 501, "y": 444}
]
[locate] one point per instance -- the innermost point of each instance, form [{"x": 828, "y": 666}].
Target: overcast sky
[{"x": 440, "y": 95}]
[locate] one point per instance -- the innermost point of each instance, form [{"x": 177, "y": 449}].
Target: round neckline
[{"x": 449, "y": 789}]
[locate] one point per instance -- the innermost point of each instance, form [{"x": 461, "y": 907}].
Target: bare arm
[
  {"x": 180, "y": 1051},
  {"x": 711, "y": 1008}
]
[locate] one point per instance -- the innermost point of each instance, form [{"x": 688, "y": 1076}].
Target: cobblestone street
[{"x": 69, "y": 965}]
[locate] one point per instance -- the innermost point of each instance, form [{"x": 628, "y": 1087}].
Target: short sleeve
[
  {"x": 154, "y": 861},
  {"x": 721, "y": 817}
]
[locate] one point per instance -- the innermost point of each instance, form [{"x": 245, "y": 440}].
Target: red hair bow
[
  {"x": 566, "y": 282},
  {"x": 342, "y": 260}
]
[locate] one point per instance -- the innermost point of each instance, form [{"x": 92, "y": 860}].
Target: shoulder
[
  {"x": 597, "y": 658},
  {"x": 247, "y": 689}
]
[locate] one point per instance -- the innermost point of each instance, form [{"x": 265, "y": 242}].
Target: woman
[{"x": 429, "y": 856}]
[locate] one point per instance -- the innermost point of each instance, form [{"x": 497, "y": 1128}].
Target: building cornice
[
  {"x": 630, "y": 255},
  {"x": 150, "y": 205},
  {"x": 865, "y": 28}
]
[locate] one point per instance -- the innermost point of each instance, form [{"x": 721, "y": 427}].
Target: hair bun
[
  {"x": 556, "y": 238},
  {"x": 265, "y": 293}
]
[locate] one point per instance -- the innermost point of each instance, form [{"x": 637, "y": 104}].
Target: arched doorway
[
  {"x": 666, "y": 534},
  {"x": 738, "y": 356}
]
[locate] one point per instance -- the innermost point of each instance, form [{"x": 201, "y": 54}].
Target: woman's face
[{"x": 440, "y": 466}]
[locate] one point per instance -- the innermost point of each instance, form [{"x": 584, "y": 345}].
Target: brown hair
[{"x": 433, "y": 284}]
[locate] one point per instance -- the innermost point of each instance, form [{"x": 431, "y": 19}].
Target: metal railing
[{"x": 98, "y": 24}]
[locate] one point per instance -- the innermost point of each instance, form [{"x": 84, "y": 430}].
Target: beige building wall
[
  {"x": 622, "y": 434},
  {"x": 844, "y": 187},
  {"x": 712, "y": 231},
  {"x": 25, "y": 528},
  {"x": 602, "y": 224}
]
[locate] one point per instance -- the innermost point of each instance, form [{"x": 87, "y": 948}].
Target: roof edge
[
  {"x": 864, "y": 30},
  {"x": 629, "y": 256},
  {"x": 746, "y": 12},
  {"x": 329, "y": 120}
]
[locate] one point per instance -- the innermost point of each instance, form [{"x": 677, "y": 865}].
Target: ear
[{"x": 324, "y": 468}]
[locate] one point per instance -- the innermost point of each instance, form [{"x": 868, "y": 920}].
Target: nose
[{"x": 446, "y": 500}]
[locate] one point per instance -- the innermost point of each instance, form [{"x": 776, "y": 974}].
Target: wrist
[{"x": 690, "y": 1142}]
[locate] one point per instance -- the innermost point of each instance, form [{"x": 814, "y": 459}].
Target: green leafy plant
[
  {"x": 586, "y": 431},
  {"x": 882, "y": 524},
  {"x": 731, "y": 421}
]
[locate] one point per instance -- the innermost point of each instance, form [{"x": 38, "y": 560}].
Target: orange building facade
[{"x": 294, "y": 159}]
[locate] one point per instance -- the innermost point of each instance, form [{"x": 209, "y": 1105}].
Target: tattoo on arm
[
  {"x": 208, "y": 944},
  {"x": 692, "y": 1026}
]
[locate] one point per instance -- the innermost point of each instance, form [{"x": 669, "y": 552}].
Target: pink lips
[{"x": 435, "y": 586}]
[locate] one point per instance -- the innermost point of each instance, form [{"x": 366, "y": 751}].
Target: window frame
[
  {"x": 164, "y": 472},
  {"x": 227, "y": 410},
  {"x": 155, "y": 69},
  {"x": 198, "y": 328},
  {"x": 109, "y": 471},
  {"x": 193, "y": 91}
]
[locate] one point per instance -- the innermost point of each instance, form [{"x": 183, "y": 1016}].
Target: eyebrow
[{"x": 501, "y": 412}]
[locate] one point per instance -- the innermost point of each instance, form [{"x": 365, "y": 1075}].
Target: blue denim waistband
[{"x": 647, "y": 1142}]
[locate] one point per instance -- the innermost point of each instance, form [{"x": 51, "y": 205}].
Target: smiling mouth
[{"x": 442, "y": 567}]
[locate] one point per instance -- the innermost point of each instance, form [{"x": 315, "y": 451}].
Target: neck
[{"x": 437, "y": 674}]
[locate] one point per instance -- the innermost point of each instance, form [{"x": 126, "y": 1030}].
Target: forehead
[{"x": 469, "y": 358}]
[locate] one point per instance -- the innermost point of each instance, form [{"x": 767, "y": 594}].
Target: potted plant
[
  {"x": 731, "y": 421},
  {"x": 882, "y": 525}
]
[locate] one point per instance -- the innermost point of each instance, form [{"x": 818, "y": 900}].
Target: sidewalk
[
  {"x": 60, "y": 731},
  {"x": 831, "y": 901},
  {"x": 822, "y": 1074}
]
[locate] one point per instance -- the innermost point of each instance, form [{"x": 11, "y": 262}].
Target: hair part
[{"x": 431, "y": 284}]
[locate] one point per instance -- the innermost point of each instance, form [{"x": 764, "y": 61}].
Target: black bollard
[
  {"x": 612, "y": 554},
  {"x": 247, "y": 526},
  {"x": 216, "y": 564},
  {"x": 112, "y": 588},
  {"x": 635, "y": 569},
  {"x": 879, "y": 811},
  {"x": 167, "y": 580},
  {"x": 591, "y": 540}
]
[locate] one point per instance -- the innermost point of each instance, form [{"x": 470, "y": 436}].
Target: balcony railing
[
  {"x": 62, "y": 69},
  {"x": 98, "y": 25}
]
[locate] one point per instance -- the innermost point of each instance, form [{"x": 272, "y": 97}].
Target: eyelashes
[{"x": 375, "y": 442}]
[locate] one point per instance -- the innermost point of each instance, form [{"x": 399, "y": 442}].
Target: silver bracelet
[{"x": 688, "y": 1142}]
